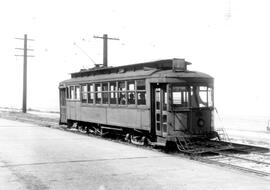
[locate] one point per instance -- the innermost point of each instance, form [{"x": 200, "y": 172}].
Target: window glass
[
  {"x": 113, "y": 97},
  {"x": 141, "y": 97},
  {"x": 180, "y": 96},
  {"x": 131, "y": 97},
  {"x": 210, "y": 97},
  {"x": 98, "y": 93},
  {"x": 122, "y": 98},
  {"x": 112, "y": 86},
  {"x": 104, "y": 86},
  {"x": 84, "y": 93},
  {"x": 121, "y": 93},
  {"x": 113, "y": 93},
  {"x": 63, "y": 93},
  {"x": 121, "y": 86},
  {"x": 90, "y": 93},
  {"x": 131, "y": 93},
  {"x": 165, "y": 101},
  {"x": 131, "y": 85},
  {"x": 105, "y": 98},
  {"x": 67, "y": 92},
  {"x": 90, "y": 87},
  {"x": 140, "y": 84},
  {"x": 72, "y": 92},
  {"x": 157, "y": 96},
  {"x": 77, "y": 92},
  {"x": 203, "y": 96},
  {"x": 90, "y": 98}
]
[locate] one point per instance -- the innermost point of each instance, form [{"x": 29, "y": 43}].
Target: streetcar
[{"x": 156, "y": 102}]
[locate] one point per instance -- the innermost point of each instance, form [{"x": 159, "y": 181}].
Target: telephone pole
[
  {"x": 105, "y": 48},
  {"x": 24, "y": 105}
]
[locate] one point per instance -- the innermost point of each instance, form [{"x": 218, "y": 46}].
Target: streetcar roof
[
  {"x": 170, "y": 68},
  {"x": 166, "y": 64}
]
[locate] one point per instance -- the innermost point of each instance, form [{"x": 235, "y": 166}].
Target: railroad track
[{"x": 255, "y": 162}]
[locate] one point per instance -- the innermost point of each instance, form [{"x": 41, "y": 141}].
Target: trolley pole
[
  {"x": 24, "y": 104},
  {"x": 105, "y": 48}
]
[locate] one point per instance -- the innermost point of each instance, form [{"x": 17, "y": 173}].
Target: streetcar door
[
  {"x": 63, "y": 109},
  {"x": 160, "y": 109}
]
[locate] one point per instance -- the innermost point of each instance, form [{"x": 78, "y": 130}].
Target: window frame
[
  {"x": 105, "y": 92},
  {"x": 137, "y": 91},
  {"x": 84, "y": 93},
  {"x": 90, "y": 93},
  {"x": 131, "y": 91},
  {"x": 113, "y": 91}
]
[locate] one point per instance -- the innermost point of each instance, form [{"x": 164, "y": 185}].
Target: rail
[
  {"x": 241, "y": 168},
  {"x": 233, "y": 162}
]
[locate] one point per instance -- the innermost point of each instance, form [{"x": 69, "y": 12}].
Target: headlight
[{"x": 200, "y": 122}]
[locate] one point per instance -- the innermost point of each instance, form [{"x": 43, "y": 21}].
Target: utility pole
[
  {"x": 24, "y": 105},
  {"x": 105, "y": 48}
]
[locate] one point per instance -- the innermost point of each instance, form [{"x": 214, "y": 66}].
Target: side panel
[
  {"x": 117, "y": 116},
  {"x": 93, "y": 114},
  {"x": 124, "y": 117},
  {"x": 71, "y": 110}
]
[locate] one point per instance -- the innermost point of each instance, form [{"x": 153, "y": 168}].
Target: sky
[{"x": 227, "y": 39}]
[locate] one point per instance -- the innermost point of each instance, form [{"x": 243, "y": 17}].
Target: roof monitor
[{"x": 179, "y": 65}]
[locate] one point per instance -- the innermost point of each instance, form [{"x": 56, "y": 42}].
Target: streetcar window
[
  {"x": 131, "y": 85},
  {"x": 157, "y": 96},
  {"x": 113, "y": 93},
  {"x": 122, "y": 93},
  {"x": 67, "y": 92},
  {"x": 72, "y": 92},
  {"x": 165, "y": 101},
  {"x": 105, "y": 92},
  {"x": 180, "y": 96},
  {"x": 210, "y": 97},
  {"x": 140, "y": 84},
  {"x": 104, "y": 87},
  {"x": 63, "y": 96},
  {"x": 90, "y": 93},
  {"x": 121, "y": 86},
  {"x": 77, "y": 92},
  {"x": 201, "y": 96},
  {"x": 84, "y": 93},
  {"x": 98, "y": 93},
  {"x": 141, "y": 98},
  {"x": 141, "y": 92},
  {"x": 122, "y": 98},
  {"x": 131, "y": 97},
  {"x": 131, "y": 92}
]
